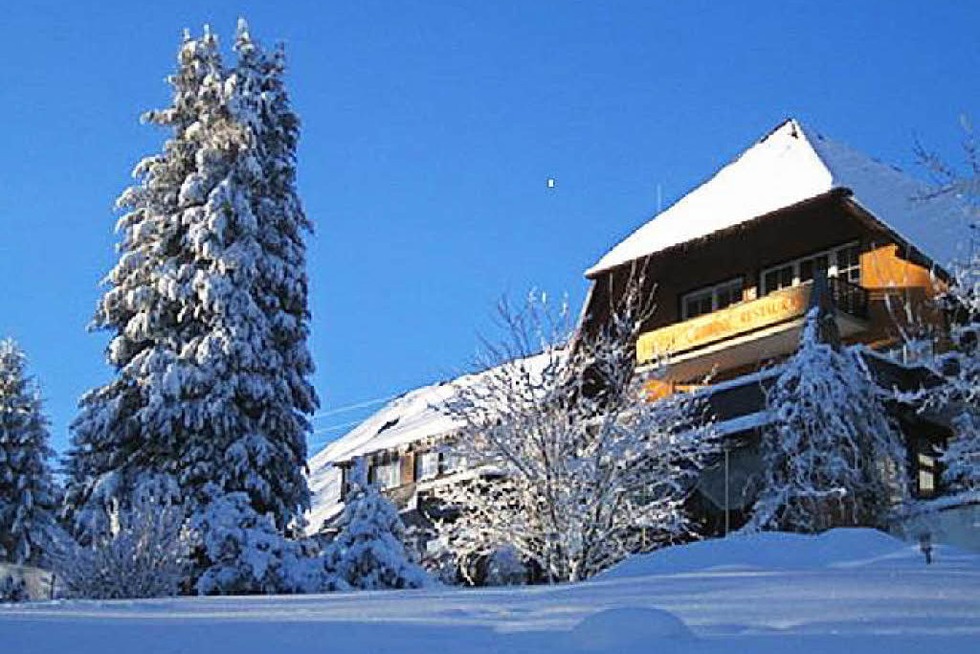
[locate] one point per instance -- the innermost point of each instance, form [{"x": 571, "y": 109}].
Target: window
[
  {"x": 926, "y": 464},
  {"x": 426, "y": 465},
  {"x": 777, "y": 278},
  {"x": 453, "y": 462},
  {"x": 711, "y": 298},
  {"x": 849, "y": 263},
  {"x": 843, "y": 262},
  {"x": 819, "y": 264},
  {"x": 387, "y": 475}
]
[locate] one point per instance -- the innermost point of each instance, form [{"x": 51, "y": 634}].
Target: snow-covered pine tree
[
  {"x": 274, "y": 395},
  {"x": 130, "y": 433},
  {"x": 832, "y": 456},
  {"x": 209, "y": 306},
  {"x": 28, "y": 496},
  {"x": 369, "y": 552}
]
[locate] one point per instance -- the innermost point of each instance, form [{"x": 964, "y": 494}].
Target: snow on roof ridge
[
  {"x": 789, "y": 165},
  {"x": 371, "y": 427}
]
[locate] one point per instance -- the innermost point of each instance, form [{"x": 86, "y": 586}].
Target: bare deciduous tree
[
  {"x": 567, "y": 459},
  {"x": 145, "y": 555},
  {"x": 959, "y": 396}
]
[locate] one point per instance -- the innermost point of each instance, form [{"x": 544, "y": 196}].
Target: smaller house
[{"x": 402, "y": 446}]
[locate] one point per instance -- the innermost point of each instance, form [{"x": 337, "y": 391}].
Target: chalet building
[{"x": 731, "y": 267}]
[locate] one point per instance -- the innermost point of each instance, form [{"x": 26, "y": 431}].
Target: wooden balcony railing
[{"x": 849, "y": 297}]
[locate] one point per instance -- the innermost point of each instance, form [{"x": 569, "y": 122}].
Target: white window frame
[
  {"x": 428, "y": 465},
  {"x": 388, "y": 475},
  {"x": 452, "y": 462},
  {"x": 713, "y": 290},
  {"x": 833, "y": 265}
]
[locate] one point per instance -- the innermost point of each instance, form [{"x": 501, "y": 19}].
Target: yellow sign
[{"x": 720, "y": 325}]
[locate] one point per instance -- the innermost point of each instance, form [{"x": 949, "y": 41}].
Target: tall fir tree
[
  {"x": 212, "y": 392},
  {"x": 28, "y": 496},
  {"x": 832, "y": 456},
  {"x": 128, "y": 432},
  {"x": 274, "y": 397}
]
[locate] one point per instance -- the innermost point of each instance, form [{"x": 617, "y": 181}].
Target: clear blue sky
[{"x": 429, "y": 131}]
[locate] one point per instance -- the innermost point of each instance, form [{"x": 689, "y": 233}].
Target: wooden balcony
[{"x": 747, "y": 332}]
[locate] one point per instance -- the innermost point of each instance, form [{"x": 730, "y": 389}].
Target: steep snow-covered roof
[
  {"x": 406, "y": 419},
  {"x": 790, "y": 165}
]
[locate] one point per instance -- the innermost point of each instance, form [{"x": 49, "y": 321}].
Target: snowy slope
[
  {"x": 788, "y": 166},
  {"x": 776, "y": 551},
  {"x": 847, "y": 591}
]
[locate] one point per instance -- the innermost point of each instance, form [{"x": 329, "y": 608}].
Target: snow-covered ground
[{"x": 846, "y": 591}]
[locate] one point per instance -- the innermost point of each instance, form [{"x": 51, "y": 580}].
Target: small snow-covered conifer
[
  {"x": 832, "y": 456},
  {"x": 369, "y": 552},
  {"x": 27, "y": 492},
  {"x": 247, "y": 554}
]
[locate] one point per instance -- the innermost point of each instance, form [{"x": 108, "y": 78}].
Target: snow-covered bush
[
  {"x": 567, "y": 459},
  {"x": 12, "y": 589},
  {"x": 831, "y": 456},
  {"x": 28, "y": 496},
  {"x": 369, "y": 551},
  {"x": 961, "y": 459},
  {"x": 959, "y": 395},
  {"x": 243, "y": 553},
  {"x": 145, "y": 555},
  {"x": 505, "y": 568}
]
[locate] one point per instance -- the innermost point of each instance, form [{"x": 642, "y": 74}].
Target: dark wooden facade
[{"x": 893, "y": 273}]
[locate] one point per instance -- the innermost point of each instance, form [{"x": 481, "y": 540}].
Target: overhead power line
[
  {"x": 345, "y": 425},
  {"x": 351, "y": 407}
]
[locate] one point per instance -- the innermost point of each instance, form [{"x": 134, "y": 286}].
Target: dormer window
[{"x": 711, "y": 298}]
